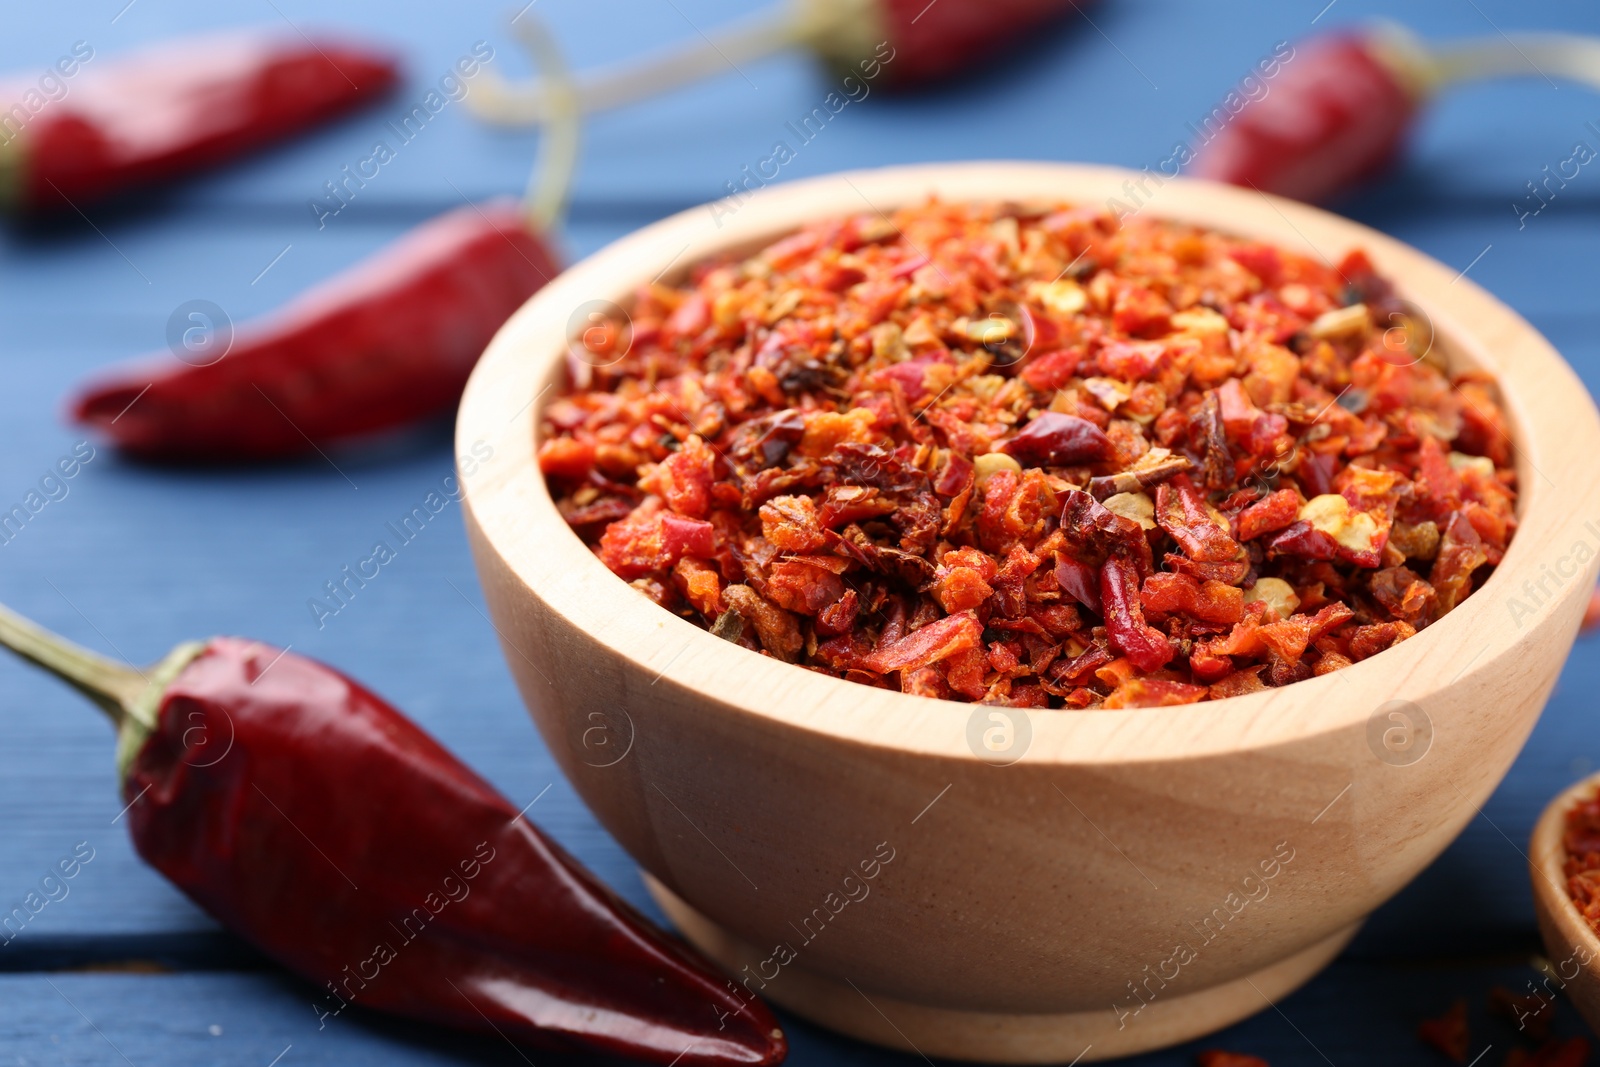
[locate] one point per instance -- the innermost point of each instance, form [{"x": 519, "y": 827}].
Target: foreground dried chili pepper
[
  {"x": 1032, "y": 454},
  {"x": 171, "y": 110},
  {"x": 895, "y": 43},
  {"x": 317, "y": 822},
  {"x": 385, "y": 345},
  {"x": 1337, "y": 113}
]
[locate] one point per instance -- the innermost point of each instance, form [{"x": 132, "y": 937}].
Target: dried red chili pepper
[
  {"x": 1334, "y": 116},
  {"x": 1337, "y": 112},
  {"x": 385, "y": 345},
  {"x": 164, "y": 113},
  {"x": 898, "y": 44},
  {"x": 320, "y": 824}
]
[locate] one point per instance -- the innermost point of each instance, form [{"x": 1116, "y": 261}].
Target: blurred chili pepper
[
  {"x": 1334, "y": 116},
  {"x": 895, "y": 43},
  {"x": 1336, "y": 113},
  {"x": 169, "y": 111},
  {"x": 317, "y": 822},
  {"x": 388, "y": 343},
  {"x": 385, "y": 345}
]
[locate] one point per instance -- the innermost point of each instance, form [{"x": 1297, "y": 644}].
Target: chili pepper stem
[
  {"x": 1547, "y": 55},
  {"x": 113, "y": 686},
  {"x": 1413, "y": 62},
  {"x": 127, "y": 695},
  {"x": 499, "y": 102},
  {"x": 13, "y": 160},
  {"x": 546, "y": 198}
]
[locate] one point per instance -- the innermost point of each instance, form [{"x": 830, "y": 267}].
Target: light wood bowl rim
[{"x": 519, "y": 521}]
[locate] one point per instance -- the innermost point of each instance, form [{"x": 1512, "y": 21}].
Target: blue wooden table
[{"x": 123, "y": 970}]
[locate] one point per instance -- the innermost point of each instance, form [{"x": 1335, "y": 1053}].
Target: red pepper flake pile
[
  {"x": 1582, "y": 841},
  {"x": 1034, "y": 456}
]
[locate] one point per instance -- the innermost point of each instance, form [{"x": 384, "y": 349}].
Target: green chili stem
[
  {"x": 114, "y": 687},
  {"x": 129, "y": 696},
  {"x": 13, "y": 162},
  {"x": 551, "y": 181},
  {"x": 1549, "y": 55}
]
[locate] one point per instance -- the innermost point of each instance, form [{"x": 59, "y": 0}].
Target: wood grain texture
[
  {"x": 1058, "y": 883},
  {"x": 1006, "y": 1037}
]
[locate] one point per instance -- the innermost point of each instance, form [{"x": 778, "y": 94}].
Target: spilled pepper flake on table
[
  {"x": 1449, "y": 1032},
  {"x": 1532, "y": 1013},
  {"x": 1035, "y": 456},
  {"x": 1221, "y": 1058}
]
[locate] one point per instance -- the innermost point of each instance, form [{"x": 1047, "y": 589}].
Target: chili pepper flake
[
  {"x": 1057, "y": 440},
  {"x": 1531, "y": 1013},
  {"x": 1219, "y": 1058},
  {"x": 1039, "y": 457},
  {"x": 1448, "y": 1033}
]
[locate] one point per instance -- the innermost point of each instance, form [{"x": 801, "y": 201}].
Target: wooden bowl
[
  {"x": 1569, "y": 941},
  {"x": 1011, "y": 886}
]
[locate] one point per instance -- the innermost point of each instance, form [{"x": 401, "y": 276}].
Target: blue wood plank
[{"x": 1356, "y": 1013}]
